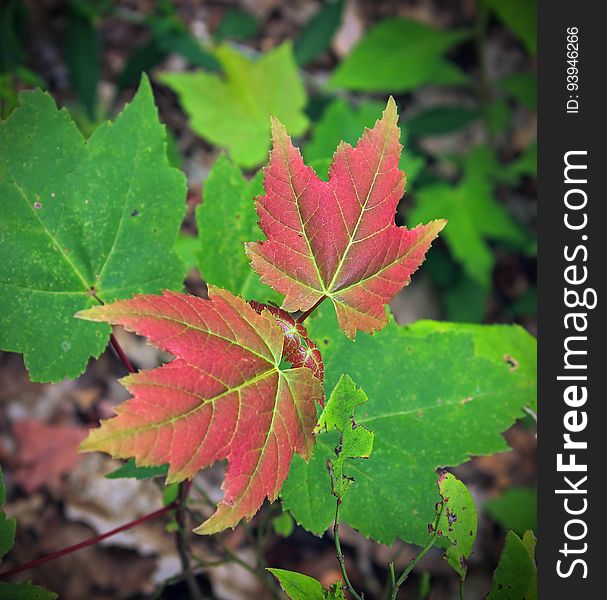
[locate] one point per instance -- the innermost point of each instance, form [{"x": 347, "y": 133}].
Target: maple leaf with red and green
[
  {"x": 338, "y": 239},
  {"x": 224, "y": 396}
]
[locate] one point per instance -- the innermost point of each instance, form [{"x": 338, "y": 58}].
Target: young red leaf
[
  {"x": 338, "y": 239},
  {"x": 299, "y": 349},
  {"x": 224, "y": 396}
]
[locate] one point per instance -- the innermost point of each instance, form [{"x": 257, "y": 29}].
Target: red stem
[
  {"x": 121, "y": 355},
  {"x": 306, "y": 314},
  {"x": 89, "y": 542}
]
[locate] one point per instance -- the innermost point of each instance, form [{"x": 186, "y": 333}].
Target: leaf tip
[
  {"x": 90, "y": 314},
  {"x": 390, "y": 113}
]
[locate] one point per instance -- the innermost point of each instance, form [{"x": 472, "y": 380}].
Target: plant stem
[
  {"x": 461, "y": 589},
  {"x": 88, "y": 542},
  {"x": 392, "y": 576},
  {"x": 308, "y": 312},
  {"x": 229, "y": 555},
  {"x": 340, "y": 555},
  {"x": 417, "y": 558},
  {"x": 121, "y": 355},
  {"x": 181, "y": 542},
  {"x": 411, "y": 565}
]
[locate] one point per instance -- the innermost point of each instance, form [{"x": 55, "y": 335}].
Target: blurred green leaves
[
  {"x": 399, "y": 55},
  {"x": 233, "y": 111},
  {"x": 341, "y": 121},
  {"x": 315, "y": 38},
  {"x": 475, "y": 216},
  {"x": 236, "y": 24},
  {"x": 520, "y": 16},
  {"x": 515, "y": 509},
  {"x": 167, "y": 34}
]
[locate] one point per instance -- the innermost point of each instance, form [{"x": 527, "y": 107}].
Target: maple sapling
[{"x": 247, "y": 381}]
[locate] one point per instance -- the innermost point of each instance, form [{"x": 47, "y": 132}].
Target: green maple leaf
[
  {"x": 473, "y": 213},
  {"x": 81, "y": 221},
  {"x": 233, "y": 111},
  {"x": 226, "y": 220},
  {"x": 440, "y": 394},
  {"x": 398, "y": 55}
]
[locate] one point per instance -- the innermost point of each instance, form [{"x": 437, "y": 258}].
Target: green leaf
[
  {"x": 522, "y": 87},
  {"x": 355, "y": 441},
  {"x": 80, "y": 220},
  {"x": 515, "y": 509},
  {"x": 440, "y": 394},
  {"x": 441, "y": 120},
  {"x": 340, "y": 121},
  {"x": 24, "y": 591},
  {"x": 298, "y": 586},
  {"x": 237, "y": 24},
  {"x": 457, "y": 521},
  {"x": 474, "y": 215},
  {"x": 7, "y": 525},
  {"x": 283, "y": 524},
  {"x": 503, "y": 345},
  {"x": 226, "y": 220},
  {"x": 234, "y": 111},
  {"x": 399, "y": 55},
  {"x": 520, "y": 16},
  {"x": 129, "y": 470},
  {"x": 516, "y": 575},
  {"x": 315, "y": 38},
  {"x": 301, "y": 587}
]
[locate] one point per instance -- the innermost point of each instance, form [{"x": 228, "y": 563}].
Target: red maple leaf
[
  {"x": 225, "y": 396},
  {"x": 338, "y": 239},
  {"x": 46, "y": 453}
]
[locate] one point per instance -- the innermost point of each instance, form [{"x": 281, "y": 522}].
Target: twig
[
  {"x": 308, "y": 312},
  {"x": 181, "y": 542},
  {"x": 340, "y": 555},
  {"x": 88, "y": 542},
  {"x": 417, "y": 558},
  {"x": 229, "y": 555},
  {"x": 121, "y": 355}
]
